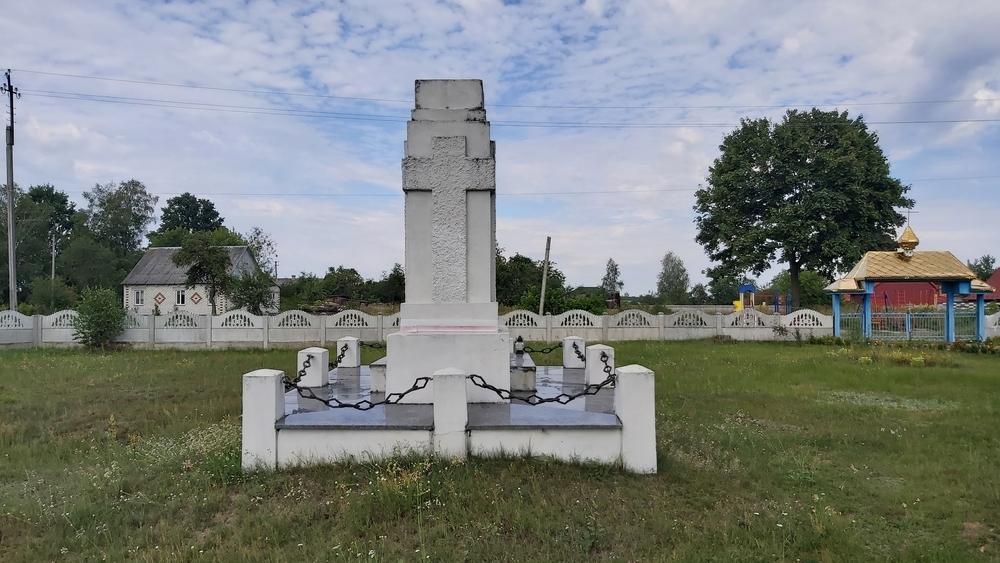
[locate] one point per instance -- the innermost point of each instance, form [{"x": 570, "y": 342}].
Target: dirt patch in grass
[
  {"x": 888, "y": 401},
  {"x": 743, "y": 419}
]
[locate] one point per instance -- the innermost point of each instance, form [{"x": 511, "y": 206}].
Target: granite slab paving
[{"x": 353, "y": 385}]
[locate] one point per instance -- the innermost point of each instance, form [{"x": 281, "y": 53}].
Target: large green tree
[
  {"x": 31, "y": 240},
  {"x": 206, "y": 264},
  {"x": 983, "y": 266},
  {"x": 813, "y": 192},
  {"x": 673, "y": 280},
  {"x": 189, "y": 213},
  {"x": 612, "y": 280},
  {"x": 118, "y": 214}
]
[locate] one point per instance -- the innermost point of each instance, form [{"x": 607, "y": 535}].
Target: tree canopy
[
  {"x": 612, "y": 280},
  {"x": 189, "y": 213},
  {"x": 206, "y": 263},
  {"x": 983, "y": 267},
  {"x": 118, "y": 214},
  {"x": 813, "y": 191},
  {"x": 673, "y": 280}
]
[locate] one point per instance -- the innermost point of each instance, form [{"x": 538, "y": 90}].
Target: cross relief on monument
[{"x": 449, "y": 175}]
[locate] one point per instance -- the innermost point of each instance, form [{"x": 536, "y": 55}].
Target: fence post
[
  {"x": 548, "y": 327},
  {"x": 909, "y": 325},
  {"x": 267, "y": 330},
  {"x": 380, "y": 323},
  {"x": 208, "y": 331},
  {"x": 36, "y": 337},
  {"x": 152, "y": 332},
  {"x": 661, "y": 323},
  {"x": 718, "y": 324},
  {"x": 322, "y": 331},
  {"x": 605, "y": 323}
]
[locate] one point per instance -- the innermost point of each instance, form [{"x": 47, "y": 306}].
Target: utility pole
[
  {"x": 11, "y": 258},
  {"x": 52, "y": 280},
  {"x": 545, "y": 276}
]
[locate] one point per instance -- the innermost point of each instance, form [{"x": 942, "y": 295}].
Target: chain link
[
  {"x": 334, "y": 403},
  {"x": 562, "y": 398},
  {"x": 531, "y": 350},
  {"x": 579, "y": 354},
  {"x": 340, "y": 357}
]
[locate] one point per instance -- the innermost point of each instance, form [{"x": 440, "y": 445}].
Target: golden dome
[{"x": 908, "y": 240}]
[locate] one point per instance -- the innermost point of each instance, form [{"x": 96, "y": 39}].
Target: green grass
[{"x": 767, "y": 452}]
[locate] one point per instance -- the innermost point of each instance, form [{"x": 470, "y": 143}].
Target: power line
[
  {"x": 525, "y": 106},
  {"x": 292, "y": 112},
  {"x": 499, "y": 193}
]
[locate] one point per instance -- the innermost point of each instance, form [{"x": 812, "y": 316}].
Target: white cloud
[{"x": 700, "y": 58}]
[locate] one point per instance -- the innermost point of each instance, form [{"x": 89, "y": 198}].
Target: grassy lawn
[{"x": 767, "y": 452}]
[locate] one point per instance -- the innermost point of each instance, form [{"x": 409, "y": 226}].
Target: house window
[
  {"x": 179, "y": 298},
  {"x": 138, "y": 297}
]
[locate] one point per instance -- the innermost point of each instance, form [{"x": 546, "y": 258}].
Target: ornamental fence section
[{"x": 296, "y": 329}]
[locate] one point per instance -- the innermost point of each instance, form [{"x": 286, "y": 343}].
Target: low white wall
[{"x": 239, "y": 329}]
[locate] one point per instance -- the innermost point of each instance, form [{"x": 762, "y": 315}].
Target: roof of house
[
  {"x": 912, "y": 265},
  {"x": 994, "y": 283},
  {"x": 157, "y": 266}
]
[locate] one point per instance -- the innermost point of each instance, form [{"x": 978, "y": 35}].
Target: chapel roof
[{"x": 907, "y": 264}]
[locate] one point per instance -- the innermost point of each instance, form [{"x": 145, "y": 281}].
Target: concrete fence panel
[
  {"x": 634, "y": 325},
  {"x": 584, "y": 324},
  {"x": 58, "y": 328},
  {"x": 353, "y": 323},
  {"x": 238, "y": 328},
  {"x": 16, "y": 329},
  {"x": 525, "y": 324},
  {"x": 293, "y": 327}
]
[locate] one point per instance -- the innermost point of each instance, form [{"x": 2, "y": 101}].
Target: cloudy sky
[{"x": 291, "y": 115}]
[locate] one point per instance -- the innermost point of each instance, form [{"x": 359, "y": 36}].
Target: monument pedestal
[{"x": 420, "y": 354}]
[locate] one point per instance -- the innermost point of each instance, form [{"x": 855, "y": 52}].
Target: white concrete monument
[{"x": 449, "y": 318}]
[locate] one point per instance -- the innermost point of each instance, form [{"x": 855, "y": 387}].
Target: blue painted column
[
  {"x": 949, "y": 315},
  {"x": 909, "y": 325},
  {"x": 836, "y": 315},
  {"x": 981, "y": 317},
  {"x": 866, "y": 310}
]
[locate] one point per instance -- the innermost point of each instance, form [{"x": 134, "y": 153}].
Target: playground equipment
[{"x": 746, "y": 299}]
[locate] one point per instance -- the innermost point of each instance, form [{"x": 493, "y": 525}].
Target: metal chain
[
  {"x": 579, "y": 354},
  {"x": 340, "y": 357},
  {"x": 334, "y": 403},
  {"x": 531, "y": 350},
  {"x": 561, "y": 398},
  {"x": 365, "y": 404}
]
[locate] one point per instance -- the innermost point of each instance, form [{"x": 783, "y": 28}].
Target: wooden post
[{"x": 545, "y": 276}]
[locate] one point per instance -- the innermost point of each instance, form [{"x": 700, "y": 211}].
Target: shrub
[{"x": 101, "y": 317}]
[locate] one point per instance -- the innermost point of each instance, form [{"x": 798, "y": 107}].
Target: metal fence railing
[{"x": 922, "y": 326}]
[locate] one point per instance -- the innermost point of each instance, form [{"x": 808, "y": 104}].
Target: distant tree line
[{"x": 96, "y": 246}]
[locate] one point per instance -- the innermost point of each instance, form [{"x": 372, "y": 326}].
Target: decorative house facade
[{"x": 156, "y": 283}]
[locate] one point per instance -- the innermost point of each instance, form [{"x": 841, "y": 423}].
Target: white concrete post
[
  {"x": 318, "y": 370},
  {"x": 451, "y": 413},
  {"x": 263, "y": 405},
  {"x": 635, "y": 405},
  {"x": 661, "y": 323},
  {"x": 570, "y": 359},
  {"x": 376, "y": 381},
  {"x": 208, "y": 332},
  {"x": 605, "y": 324},
  {"x": 267, "y": 331},
  {"x": 595, "y": 367},
  {"x": 352, "y": 357},
  {"x": 548, "y": 327},
  {"x": 36, "y": 335},
  {"x": 322, "y": 331}
]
